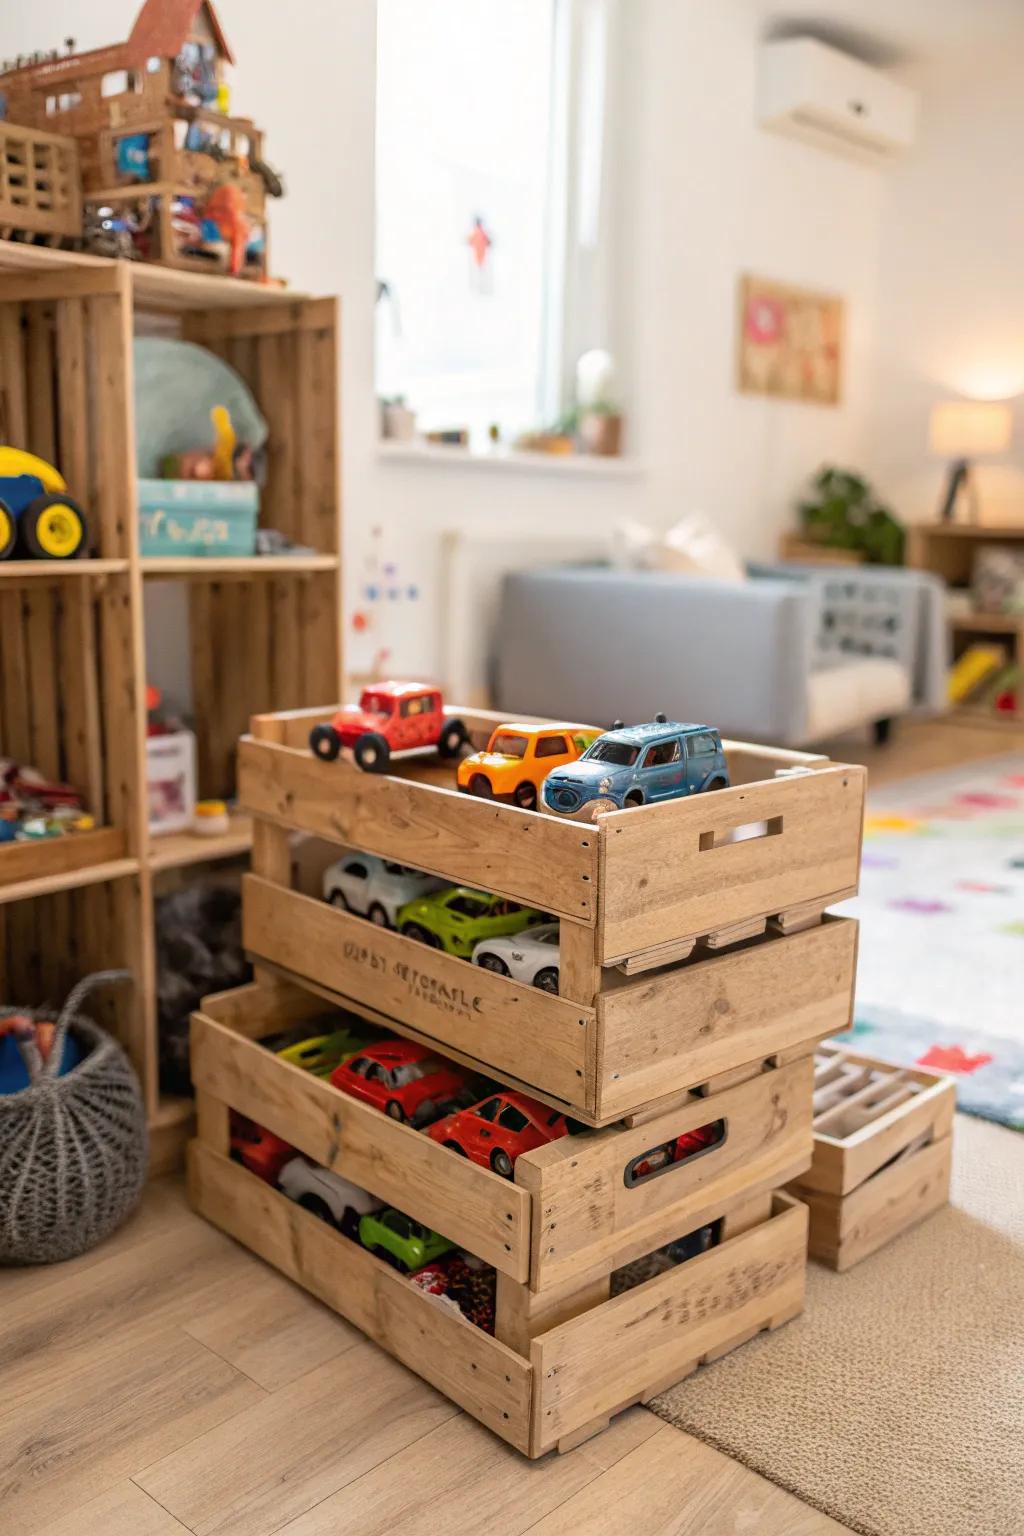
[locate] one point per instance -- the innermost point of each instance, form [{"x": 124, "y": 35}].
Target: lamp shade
[{"x": 964, "y": 429}]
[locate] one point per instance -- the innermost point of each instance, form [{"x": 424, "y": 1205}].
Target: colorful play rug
[{"x": 940, "y": 978}]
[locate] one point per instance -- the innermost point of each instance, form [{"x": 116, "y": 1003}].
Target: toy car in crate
[
  {"x": 37, "y": 515},
  {"x": 390, "y": 717},
  {"x": 518, "y": 758},
  {"x": 638, "y": 765}
]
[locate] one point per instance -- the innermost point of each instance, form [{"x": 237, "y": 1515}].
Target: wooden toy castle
[{"x": 143, "y": 127}]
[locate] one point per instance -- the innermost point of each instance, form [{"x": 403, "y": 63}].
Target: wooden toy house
[{"x": 168, "y": 175}]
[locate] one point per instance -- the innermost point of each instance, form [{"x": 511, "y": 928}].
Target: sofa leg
[{"x": 883, "y": 731}]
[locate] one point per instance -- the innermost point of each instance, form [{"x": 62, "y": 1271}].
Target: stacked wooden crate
[{"x": 697, "y": 975}]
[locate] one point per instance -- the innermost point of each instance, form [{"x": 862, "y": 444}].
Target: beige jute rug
[{"x": 896, "y": 1403}]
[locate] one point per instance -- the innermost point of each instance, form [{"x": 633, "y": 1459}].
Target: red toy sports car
[
  {"x": 407, "y": 1081},
  {"x": 390, "y": 717},
  {"x": 675, "y": 1151},
  {"x": 495, "y": 1131},
  {"x": 259, "y": 1150}
]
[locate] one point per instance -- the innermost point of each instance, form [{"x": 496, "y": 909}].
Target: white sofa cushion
[{"x": 843, "y": 697}]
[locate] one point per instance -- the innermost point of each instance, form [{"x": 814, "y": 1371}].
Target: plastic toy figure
[
  {"x": 530, "y": 956},
  {"x": 517, "y": 760},
  {"x": 457, "y": 919},
  {"x": 35, "y": 510},
  {"x": 259, "y": 1150},
  {"x": 638, "y": 765},
  {"x": 400, "y": 1241},
  {"x": 327, "y": 1195},
  {"x": 402, "y": 1078},
  {"x": 375, "y": 888},
  {"x": 495, "y": 1131},
  {"x": 320, "y": 1054},
  {"x": 390, "y": 717}
]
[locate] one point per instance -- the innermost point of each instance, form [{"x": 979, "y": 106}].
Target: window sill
[{"x": 510, "y": 461}]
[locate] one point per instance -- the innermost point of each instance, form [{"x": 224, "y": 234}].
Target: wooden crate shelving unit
[
  {"x": 697, "y": 972},
  {"x": 263, "y": 633}
]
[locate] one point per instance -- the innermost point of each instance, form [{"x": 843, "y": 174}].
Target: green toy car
[
  {"x": 400, "y": 1241},
  {"x": 457, "y": 919},
  {"x": 320, "y": 1054}
]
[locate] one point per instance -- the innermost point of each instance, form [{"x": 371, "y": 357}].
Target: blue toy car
[
  {"x": 37, "y": 516},
  {"x": 637, "y": 765}
]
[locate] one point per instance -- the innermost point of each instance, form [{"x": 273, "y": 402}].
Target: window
[
  {"x": 467, "y": 906},
  {"x": 489, "y": 1110},
  {"x": 356, "y": 870},
  {"x": 493, "y": 209},
  {"x": 662, "y": 753},
  {"x": 413, "y": 1071},
  {"x": 360, "y": 1066},
  {"x": 399, "y": 1224},
  {"x": 700, "y": 746},
  {"x": 375, "y": 1073},
  {"x": 512, "y": 1119},
  {"x": 378, "y": 704},
  {"x": 552, "y": 746},
  {"x": 619, "y": 753},
  {"x": 414, "y": 706},
  {"x": 507, "y": 745}
]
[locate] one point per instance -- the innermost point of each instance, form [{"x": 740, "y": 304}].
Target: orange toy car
[{"x": 518, "y": 759}]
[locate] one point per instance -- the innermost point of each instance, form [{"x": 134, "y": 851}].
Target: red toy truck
[{"x": 390, "y": 717}]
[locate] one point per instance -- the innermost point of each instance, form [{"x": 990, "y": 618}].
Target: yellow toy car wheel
[
  {"x": 8, "y": 531},
  {"x": 53, "y": 528}
]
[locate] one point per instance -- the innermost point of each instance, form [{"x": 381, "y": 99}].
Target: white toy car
[
  {"x": 530, "y": 956},
  {"x": 376, "y": 888},
  {"x": 326, "y": 1194}
]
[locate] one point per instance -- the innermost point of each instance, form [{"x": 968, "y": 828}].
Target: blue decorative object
[
  {"x": 198, "y": 517},
  {"x": 638, "y": 765},
  {"x": 13, "y": 1072},
  {"x": 133, "y": 156}
]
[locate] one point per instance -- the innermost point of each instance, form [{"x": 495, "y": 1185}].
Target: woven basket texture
[{"x": 73, "y": 1149}]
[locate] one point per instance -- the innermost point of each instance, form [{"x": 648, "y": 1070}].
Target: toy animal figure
[{"x": 225, "y": 209}]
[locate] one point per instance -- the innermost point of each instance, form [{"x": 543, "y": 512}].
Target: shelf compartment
[
  {"x": 50, "y": 860},
  {"x": 241, "y": 567},
  {"x": 176, "y": 850}
]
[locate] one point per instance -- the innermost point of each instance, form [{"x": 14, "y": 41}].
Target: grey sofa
[{"x": 794, "y": 655}]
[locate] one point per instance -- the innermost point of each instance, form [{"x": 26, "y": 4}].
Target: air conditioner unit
[{"x": 816, "y": 93}]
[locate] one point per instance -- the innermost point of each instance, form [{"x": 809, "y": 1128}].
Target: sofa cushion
[{"x": 842, "y": 697}]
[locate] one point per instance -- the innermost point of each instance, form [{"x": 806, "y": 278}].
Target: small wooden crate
[
  {"x": 882, "y": 1153},
  {"x": 40, "y": 185},
  {"x": 574, "y": 1211},
  {"x": 631, "y": 1028},
  {"x": 567, "y": 1355}
]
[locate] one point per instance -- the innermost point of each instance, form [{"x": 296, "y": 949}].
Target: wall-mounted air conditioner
[{"x": 816, "y": 93}]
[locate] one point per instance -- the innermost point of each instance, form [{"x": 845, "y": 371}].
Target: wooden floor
[{"x": 169, "y": 1382}]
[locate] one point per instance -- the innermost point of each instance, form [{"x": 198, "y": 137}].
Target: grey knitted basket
[{"x": 73, "y": 1149}]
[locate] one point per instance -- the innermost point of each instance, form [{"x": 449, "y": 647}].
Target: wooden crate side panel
[
  {"x": 846, "y": 1229},
  {"x": 535, "y": 1036},
  {"x": 592, "y": 1365},
  {"x": 676, "y": 1028},
  {"x": 477, "y": 1372},
  {"x": 842, "y": 1166},
  {"x": 666, "y": 874},
  {"x": 396, "y": 1163},
  {"x": 586, "y": 1219},
  {"x": 530, "y": 858}
]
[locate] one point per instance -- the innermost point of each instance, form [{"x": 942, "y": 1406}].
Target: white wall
[
  {"x": 951, "y": 286},
  {"x": 705, "y": 195}
]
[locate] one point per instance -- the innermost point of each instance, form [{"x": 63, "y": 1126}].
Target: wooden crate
[
  {"x": 40, "y": 184},
  {"x": 618, "y": 1038},
  {"x": 574, "y": 1211},
  {"x": 882, "y": 1153},
  {"x": 587, "y": 1361},
  {"x": 637, "y": 888}
]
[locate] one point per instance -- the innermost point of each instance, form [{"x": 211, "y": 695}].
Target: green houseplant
[{"x": 843, "y": 512}]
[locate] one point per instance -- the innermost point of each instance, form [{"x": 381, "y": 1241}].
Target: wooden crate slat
[
  {"x": 42, "y": 680},
  {"x": 13, "y": 381},
  {"x": 477, "y": 1372},
  {"x": 590, "y": 1366},
  {"x": 538, "y": 1038},
  {"x": 674, "y": 1028},
  {"x": 39, "y": 373},
  {"x": 532, "y": 859},
  {"x": 666, "y": 874},
  {"x": 588, "y": 1221}
]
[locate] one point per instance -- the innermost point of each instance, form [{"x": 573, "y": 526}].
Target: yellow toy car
[
  {"x": 36, "y": 514},
  {"x": 518, "y": 759}
]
